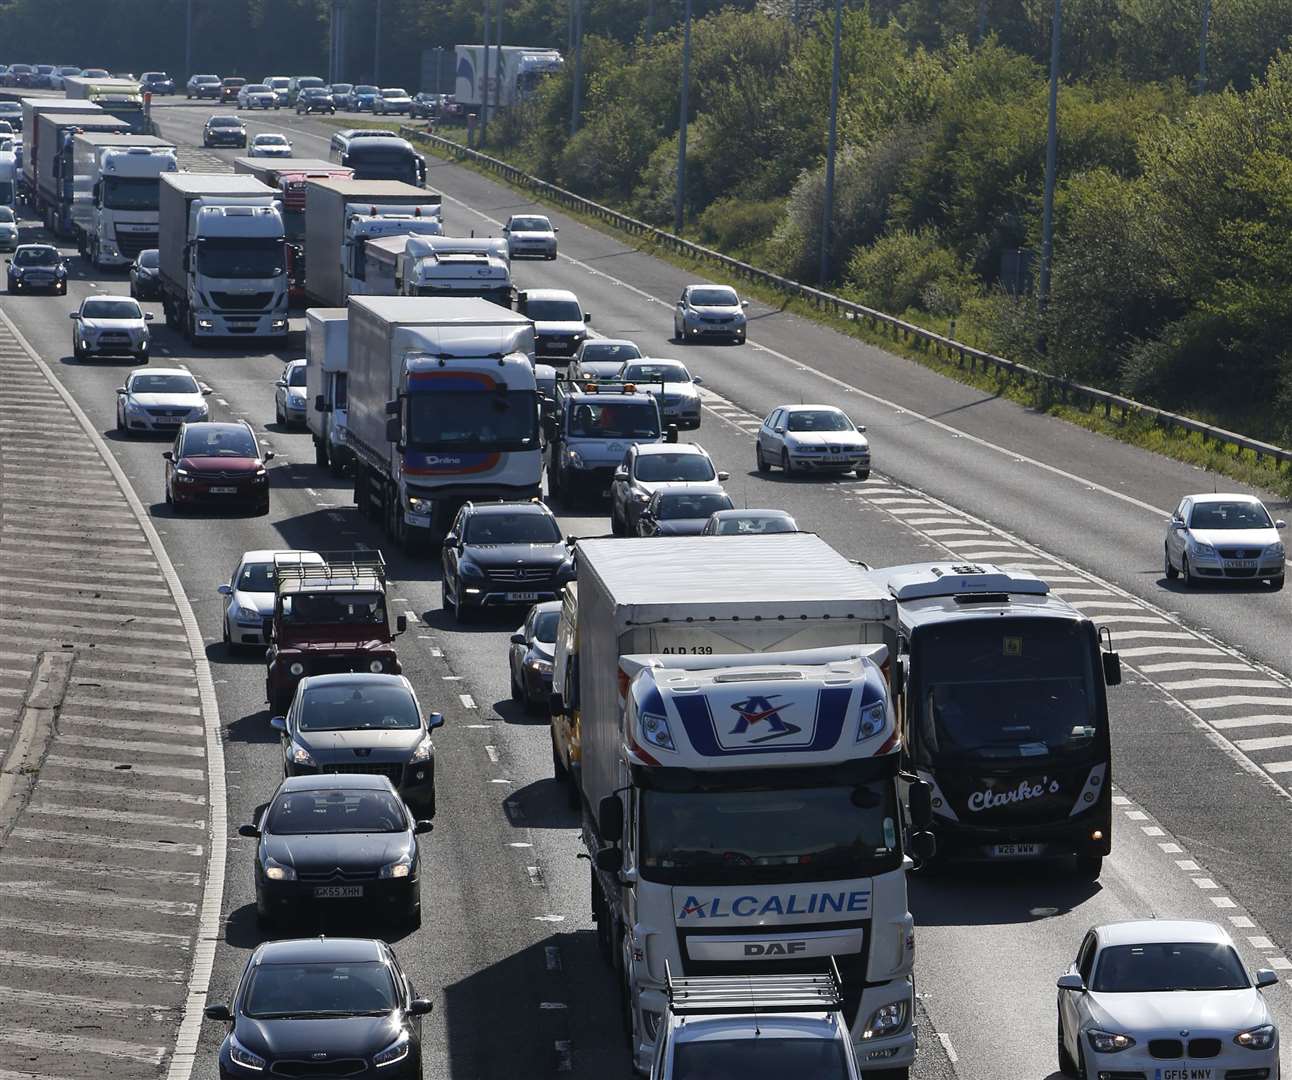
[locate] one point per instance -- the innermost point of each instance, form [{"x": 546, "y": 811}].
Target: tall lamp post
[
  {"x": 576, "y": 93},
  {"x": 832, "y": 141},
  {"x": 1051, "y": 161},
  {"x": 188, "y": 39},
  {"x": 376, "y": 47},
  {"x": 1202, "y": 46},
  {"x": 679, "y": 196}
]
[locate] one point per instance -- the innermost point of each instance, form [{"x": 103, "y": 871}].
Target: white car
[
  {"x": 560, "y": 323},
  {"x": 279, "y": 84},
  {"x": 110, "y": 326},
  {"x": 251, "y": 593},
  {"x": 289, "y": 394},
  {"x": 672, "y": 386},
  {"x": 1224, "y": 537},
  {"x": 530, "y": 234},
  {"x": 269, "y": 145},
  {"x": 709, "y": 311},
  {"x": 812, "y": 438},
  {"x": 749, "y": 523},
  {"x": 160, "y": 399},
  {"x": 1162, "y": 998},
  {"x": 392, "y": 99},
  {"x": 8, "y": 228},
  {"x": 257, "y": 96}
]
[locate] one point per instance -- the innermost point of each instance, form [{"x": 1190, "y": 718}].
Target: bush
[
  {"x": 739, "y": 228},
  {"x": 907, "y": 271}
]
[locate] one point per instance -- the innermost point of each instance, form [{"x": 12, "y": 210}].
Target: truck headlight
[
  {"x": 574, "y": 459},
  {"x": 419, "y": 506},
  {"x": 654, "y": 727},
  {"x": 874, "y": 718},
  {"x": 886, "y": 1020},
  {"x": 297, "y": 668},
  {"x": 205, "y": 324}
]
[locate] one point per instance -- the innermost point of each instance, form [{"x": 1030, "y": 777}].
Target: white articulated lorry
[
  {"x": 221, "y": 256},
  {"x": 48, "y": 171},
  {"x": 116, "y": 185},
  {"x": 439, "y": 266},
  {"x": 736, "y": 759},
  {"x": 514, "y": 72},
  {"x": 327, "y": 364},
  {"x": 442, "y": 407}
]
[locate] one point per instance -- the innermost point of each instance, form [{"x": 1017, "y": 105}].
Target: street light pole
[
  {"x": 832, "y": 145},
  {"x": 188, "y": 39},
  {"x": 1202, "y": 46},
  {"x": 1051, "y": 160},
  {"x": 376, "y": 48},
  {"x": 679, "y": 196},
  {"x": 576, "y": 94},
  {"x": 497, "y": 58},
  {"x": 484, "y": 89}
]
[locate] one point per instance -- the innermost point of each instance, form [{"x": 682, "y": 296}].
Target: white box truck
[
  {"x": 122, "y": 98},
  {"x": 442, "y": 407},
  {"x": 327, "y": 354},
  {"x": 514, "y": 71},
  {"x": 439, "y": 266},
  {"x": 721, "y": 709},
  {"x": 116, "y": 184},
  {"x": 48, "y": 171}
]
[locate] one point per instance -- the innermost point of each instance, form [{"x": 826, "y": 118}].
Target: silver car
[
  {"x": 649, "y": 466},
  {"x": 8, "y": 229},
  {"x": 673, "y": 387},
  {"x": 709, "y": 311},
  {"x": 270, "y": 144},
  {"x": 256, "y": 96},
  {"x": 1224, "y": 537},
  {"x": 560, "y": 323},
  {"x": 812, "y": 438},
  {"x": 530, "y": 234},
  {"x": 160, "y": 399},
  {"x": 289, "y": 394},
  {"x": 749, "y": 523},
  {"x": 110, "y": 326},
  {"x": 251, "y": 592}
]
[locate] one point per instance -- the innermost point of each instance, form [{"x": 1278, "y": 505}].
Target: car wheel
[
  {"x": 121, "y": 422},
  {"x": 785, "y": 463},
  {"x": 1276, "y": 583},
  {"x": 228, "y": 642},
  {"x": 1067, "y": 1066},
  {"x": 863, "y": 474},
  {"x": 278, "y": 412},
  {"x": 1186, "y": 579},
  {"x": 445, "y": 603},
  {"x": 320, "y": 453},
  {"x": 1171, "y": 572},
  {"x": 763, "y": 466},
  {"x": 1089, "y": 867}
]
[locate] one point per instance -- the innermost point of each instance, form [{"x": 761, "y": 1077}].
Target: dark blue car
[{"x": 37, "y": 268}]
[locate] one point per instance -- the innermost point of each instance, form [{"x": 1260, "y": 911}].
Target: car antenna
[{"x": 753, "y": 1005}]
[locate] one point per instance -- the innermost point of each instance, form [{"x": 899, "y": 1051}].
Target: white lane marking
[
  {"x": 497, "y": 780},
  {"x": 519, "y": 844},
  {"x": 169, "y": 772},
  {"x": 1211, "y": 684},
  {"x": 1204, "y": 883},
  {"x": 127, "y": 816},
  {"x": 1193, "y": 665},
  {"x": 1259, "y": 942},
  {"x": 129, "y": 843},
  {"x": 468, "y": 702},
  {"x": 548, "y": 918},
  {"x": 945, "y": 1040},
  {"x": 83, "y": 899},
  {"x": 1187, "y": 864},
  {"x": 492, "y": 751},
  {"x": 1171, "y": 848},
  {"x": 114, "y": 869},
  {"x": 1238, "y": 699},
  {"x": 1278, "y": 767},
  {"x": 552, "y": 1005},
  {"x": 155, "y": 727},
  {"x": 77, "y": 965},
  {"x": 78, "y": 1046},
  {"x": 1137, "y": 815},
  {"x": 436, "y": 651},
  {"x": 1223, "y": 902},
  {"x": 42, "y": 1000},
  {"x": 1229, "y": 722},
  {"x": 131, "y": 746},
  {"x": 1268, "y": 742},
  {"x": 1151, "y": 830},
  {"x": 94, "y": 933},
  {"x": 1242, "y": 922}
]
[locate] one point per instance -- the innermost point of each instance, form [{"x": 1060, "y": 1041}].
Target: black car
[
  {"x": 202, "y": 86},
  {"x": 533, "y": 647},
  {"x": 145, "y": 276},
  {"x": 425, "y": 106},
  {"x": 224, "y": 131},
  {"x": 157, "y": 82},
  {"x": 314, "y": 99},
  {"x": 37, "y": 267},
  {"x": 322, "y": 1006},
  {"x": 500, "y": 555},
  {"x": 681, "y": 511},
  {"x": 20, "y": 75},
  {"x": 329, "y": 839}
]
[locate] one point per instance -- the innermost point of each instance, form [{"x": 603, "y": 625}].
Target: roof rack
[
  {"x": 615, "y": 386},
  {"x": 985, "y": 582},
  {"x": 822, "y": 992},
  {"x": 338, "y": 569}
]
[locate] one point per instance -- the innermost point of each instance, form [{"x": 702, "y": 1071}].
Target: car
[
  {"x": 363, "y": 97},
  {"x": 749, "y": 523},
  {"x": 709, "y": 311},
  {"x": 314, "y": 99},
  {"x": 609, "y": 354},
  {"x": 323, "y": 840},
  {"x": 269, "y": 144},
  {"x": 220, "y": 464},
  {"x": 391, "y": 99},
  {"x": 531, "y": 235},
  {"x": 43, "y": 76},
  {"x": 297, "y": 83},
  {"x": 529, "y": 657},
  {"x": 95, "y": 73},
  {"x": 308, "y": 1004},
  {"x": 160, "y": 399},
  {"x": 425, "y": 106},
  {"x": 7, "y": 129},
  {"x": 498, "y": 555},
  {"x": 19, "y": 75},
  {"x": 560, "y": 323},
  {"x": 8, "y": 229},
  {"x": 649, "y": 466},
  {"x": 681, "y": 511},
  {"x": 812, "y": 438},
  {"x": 11, "y": 111},
  {"x": 362, "y": 722},
  {"x": 229, "y": 89},
  {"x": 257, "y": 96},
  {"x": 279, "y": 84},
  {"x": 674, "y": 388},
  {"x": 202, "y": 86},
  {"x": 1164, "y": 997},
  {"x": 157, "y": 83},
  {"x": 224, "y": 131},
  {"x": 341, "y": 92},
  {"x": 1224, "y": 537},
  {"x": 109, "y": 325},
  {"x": 67, "y": 71},
  {"x": 36, "y": 266},
  {"x": 289, "y": 394},
  {"x": 145, "y": 275},
  {"x": 251, "y": 592}
]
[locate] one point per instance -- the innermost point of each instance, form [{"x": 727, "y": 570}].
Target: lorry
[
  {"x": 514, "y": 71},
  {"x": 327, "y": 355},
  {"x": 340, "y": 216},
  {"x": 221, "y": 258},
  {"x": 405, "y": 265},
  {"x": 442, "y": 407},
  {"x": 722, "y": 709},
  {"x": 1004, "y": 713},
  {"x": 51, "y": 171},
  {"x": 121, "y": 98},
  {"x": 116, "y": 183},
  {"x": 8, "y": 179},
  {"x": 380, "y": 157}
]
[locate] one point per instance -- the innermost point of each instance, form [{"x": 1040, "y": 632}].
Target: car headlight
[
  {"x": 376, "y": 667},
  {"x": 182, "y": 473},
  {"x": 1195, "y": 548},
  {"x": 201, "y": 412},
  {"x": 297, "y": 668},
  {"x": 574, "y": 459},
  {"x": 469, "y": 570},
  {"x": 1257, "y": 1038},
  {"x": 539, "y": 666},
  {"x": 1276, "y": 551},
  {"x": 424, "y": 750},
  {"x": 400, "y": 868},
  {"x": 133, "y": 406},
  {"x": 655, "y": 730},
  {"x": 240, "y": 1055},
  {"x": 276, "y": 871},
  {"x": 1108, "y": 1042},
  {"x": 301, "y": 756},
  {"x": 886, "y": 1020},
  {"x": 874, "y": 718},
  {"x": 396, "y": 1051},
  {"x": 246, "y": 614}
]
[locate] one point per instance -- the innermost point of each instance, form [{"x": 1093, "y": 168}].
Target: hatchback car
[
  {"x": 160, "y": 399},
  {"x": 97, "y": 73},
  {"x": 36, "y": 267},
  {"x": 280, "y": 85},
  {"x": 8, "y": 229},
  {"x": 812, "y": 438},
  {"x": 341, "y": 94},
  {"x": 681, "y": 511},
  {"x": 560, "y": 323},
  {"x": 499, "y": 555},
  {"x": 673, "y": 386},
  {"x": 224, "y": 131},
  {"x": 157, "y": 83},
  {"x": 298, "y": 83},
  {"x": 649, "y": 466},
  {"x": 217, "y": 464},
  {"x": 1159, "y": 997},
  {"x": 19, "y": 75},
  {"x": 12, "y": 112},
  {"x": 362, "y": 98},
  {"x": 1224, "y": 537},
  {"x": 257, "y": 96},
  {"x": 229, "y": 89},
  {"x": 202, "y": 86},
  {"x": 530, "y": 235},
  {"x": 289, "y": 394},
  {"x": 252, "y": 591},
  {"x": 309, "y": 1004},
  {"x": 325, "y": 840},
  {"x": 392, "y": 99},
  {"x": 110, "y": 326},
  {"x": 609, "y": 354},
  {"x": 145, "y": 275},
  {"x": 365, "y": 723},
  {"x": 315, "y": 99},
  {"x": 709, "y": 311},
  {"x": 269, "y": 144},
  {"x": 67, "y": 71},
  {"x": 425, "y": 106},
  {"x": 749, "y": 523},
  {"x": 530, "y": 656}
]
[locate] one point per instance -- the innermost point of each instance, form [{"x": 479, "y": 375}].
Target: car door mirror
[
  {"x": 587, "y": 316},
  {"x": 779, "y": 430},
  {"x": 1071, "y": 982},
  {"x": 724, "y": 476},
  {"x": 518, "y": 639},
  {"x": 744, "y": 303},
  {"x": 423, "y": 825},
  {"x": 148, "y": 316},
  {"x": 420, "y": 1007},
  {"x": 556, "y": 228},
  {"x": 1266, "y": 977},
  {"x": 269, "y": 455},
  {"x": 435, "y": 720},
  {"x": 278, "y": 723},
  {"x": 73, "y": 315},
  {"x": 621, "y": 473},
  {"x": 698, "y": 380},
  {"x": 670, "y": 436},
  {"x": 168, "y": 455},
  {"x": 610, "y": 819},
  {"x": 451, "y": 540},
  {"x": 206, "y": 390},
  {"x": 280, "y": 382},
  {"x": 121, "y": 389},
  {"x": 1280, "y": 524},
  {"x": 218, "y": 1012},
  {"x": 249, "y": 831},
  {"x": 225, "y": 590},
  {"x": 861, "y": 427}
]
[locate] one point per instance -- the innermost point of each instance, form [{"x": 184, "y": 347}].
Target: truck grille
[
  {"x": 242, "y": 301},
  {"x": 132, "y": 243},
  {"x": 393, "y": 771}
]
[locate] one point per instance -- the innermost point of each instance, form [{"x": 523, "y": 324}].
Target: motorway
[{"x": 1200, "y": 727}]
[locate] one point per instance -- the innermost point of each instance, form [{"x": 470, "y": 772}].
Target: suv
[
  {"x": 328, "y": 617},
  {"x": 560, "y": 323},
  {"x": 157, "y": 83},
  {"x": 202, "y": 86},
  {"x": 646, "y": 469},
  {"x": 590, "y": 435},
  {"x": 219, "y": 464}
]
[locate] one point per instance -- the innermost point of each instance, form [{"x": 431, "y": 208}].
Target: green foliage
[
  {"x": 740, "y": 227},
  {"x": 907, "y": 271}
]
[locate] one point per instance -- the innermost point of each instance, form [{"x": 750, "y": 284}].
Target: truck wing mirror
[
  {"x": 392, "y": 429},
  {"x": 401, "y": 623},
  {"x": 610, "y": 859},
  {"x": 320, "y": 404},
  {"x": 610, "y": 819},
  {"x": 920, "y": 800},
  {"x": 1112, "y": 668},
  {"x": 392, "y": 408},
  {"x": 267, "y": 628}
]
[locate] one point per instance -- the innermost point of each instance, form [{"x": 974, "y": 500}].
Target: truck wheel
[
  {"x": 559, "y": 772},
  {"x": 320, "y": 453}
]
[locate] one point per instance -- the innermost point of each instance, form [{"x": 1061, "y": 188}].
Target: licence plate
[
  {"x": 1240, "y": 564},
  {"x": 1011, "y": 851},
  {"x": 522, "y": 597},
  {"x": 224, "y": 491},
  {"x": 337, "y": 892},
  {"x": 1184, "y": 1072}
]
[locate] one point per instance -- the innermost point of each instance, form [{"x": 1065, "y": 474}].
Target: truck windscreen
[
  {"x": 768, "y": 835},
  {"x": 130, "y": 193},
  {"x": 473, "y": 420},
  {"x": 234, "y": 257},
  {"x": 1012, "y": 690}
]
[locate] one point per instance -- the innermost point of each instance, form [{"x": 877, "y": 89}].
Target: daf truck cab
[{"x": 116, "y": 189}]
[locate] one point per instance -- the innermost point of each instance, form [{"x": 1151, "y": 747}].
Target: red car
[
  {"x": 217, "y": 464},
  {"x": 229, "y": 89}
]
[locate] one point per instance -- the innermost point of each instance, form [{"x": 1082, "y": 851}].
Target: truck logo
[
  {"x": 758, "y": 710},
  {"x": 991, "y": 800},
  {"x": 842, "y": 902},
  {"x": 775, "y": 948}
]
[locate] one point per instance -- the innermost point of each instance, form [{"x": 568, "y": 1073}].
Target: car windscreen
[
  {"x": 232, "y": 257},
  {"x": 335, "y": 608},
  {"x": 164, "y": 384},
  {"x": 341, "y": 88},
  {"x": 618, "y": 420},
  {"x": 201, "y": 440},
  {"x": 530, "y": 224},
  {"x": 763, "y": 1058},
  {"x": 655, "y": 373},
  {"x": 1230, "y": 515},
  {"x": 235, "y": 82},
  {"x": 545, "y": 625},
  {"x": 1164, "y": 966},
  {"x": 683, "y": 506},
  {"x": 298, "y": 813},
  {"x": 150, "y": 258},
  {"x": 554, "y": 311},
  {"x": 595, "y": 351},
  {"x": 6, "y": 215},
  {"x": 257, "y": 88},
  {"x": 41, "y": 256},
  {"x": 714, "y": 298},
  {"x": 673, "y": 468},
  {"x": 296, "y": 375},
  {"x": 314, "y": 92},
  {"x": 130, "y": 193},
  {"x": 282, "y": 990},
  {"x": 503, "y": 528},
  {"x": 224, "y": 122},
  {"x": 754, "y": 526},
  {"x": 473, "y": 420},
  {"x": 110, "y": 309},
  {"x": 819, "y": 420},
  {"x": 270, "y": 140},
  {"x": 357, "y": 707},
  {"x": 256, "y": 577},
  {"x": 366, "y": 90}
]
